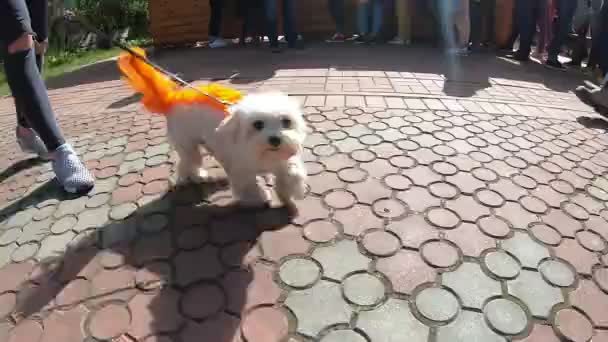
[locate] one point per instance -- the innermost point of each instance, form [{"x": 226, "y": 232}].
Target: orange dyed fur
[{"x": 160, "y": 94}]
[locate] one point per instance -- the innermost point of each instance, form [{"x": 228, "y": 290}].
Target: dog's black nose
[{"x": 274, "y": 141}]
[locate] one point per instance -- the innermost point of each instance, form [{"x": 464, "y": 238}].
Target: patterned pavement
[{"x": 430, "y": 217}]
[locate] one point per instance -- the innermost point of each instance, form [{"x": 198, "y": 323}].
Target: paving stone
[
  {"x": 26, "y": 330},
  {"x": 63, "y": 225},
  {"x": 557, "y": 272},
  {"x": 591, "y": 241},
  {"x": 70, "y": 207},
  {"x": 573, "y": 325},
  {"x": 527, "y": 251},
  {"x": 545, "y": 234},
  {"x": 24, "y": 252},
  {"x": 54, "y": 245},
  {"x": 380, "y": 243},
  {"x": 122, "y": 211},
  {"x": 537, "y": 294},
  {"x": 340, "y": 259},
  {"x": 189, "y": 268},
  {"x": 7, "y": 304},
  {"x": 468, "y": 326},
  {"x": 506, "y": 316},
  {"x": 300, "y": 272},
  {"x": 502, "y": 264},
  {"x": 75, "y": 292},
  {"x": 582, "y": 259},
  {"x": 109, "y": 322},
  {"x": 590, "y": 298},
  {"x": 145, "y": 308},
  {"x": 154, "y": 223},
  {"x": 318, "y": 307},
  {"x": 321, "y": 231},
  {"x": 212, "y": 295},
  {"x": 279, "y": 243},
  {"x": 471, "y": 284},
  {"x": 393, "y": 321},
  {"x": 541, "y": 333},
  {"x": 10, "y": 236},
  {"x": 64, "y": 326},
  {"x": 343, "y": 335},
  {"x": 363, "y": 289},
  {"x": 437, "y": 304},
  {"x": 92, "y": 218},
  {"x": 418, "y": 199},
  {"x": 406, "y": 270},
  {"x": 440, "y": 253},
  {"x": 600, "y": 276}
]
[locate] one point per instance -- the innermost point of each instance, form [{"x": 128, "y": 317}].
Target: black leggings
[{"x": 24, "y": 78}]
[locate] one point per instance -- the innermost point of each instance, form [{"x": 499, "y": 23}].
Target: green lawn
[{"x": 58, "y": 63}]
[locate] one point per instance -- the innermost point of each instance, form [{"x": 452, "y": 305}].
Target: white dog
[{"x": 263, "y": 134}]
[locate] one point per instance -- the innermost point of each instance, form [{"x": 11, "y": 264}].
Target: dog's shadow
[{"x": 164, "y": 269}]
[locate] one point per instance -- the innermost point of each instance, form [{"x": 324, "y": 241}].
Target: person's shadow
[{"x": 182, "y": 263}]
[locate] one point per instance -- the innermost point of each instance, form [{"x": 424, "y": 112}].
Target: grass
[{"x": 61, "y": 62}]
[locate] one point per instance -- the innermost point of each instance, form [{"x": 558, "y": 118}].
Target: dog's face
[{"x": 268, "y": 126}]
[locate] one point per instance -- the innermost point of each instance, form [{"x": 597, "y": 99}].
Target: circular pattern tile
[
  {"x": 343, "y": 336},
  {"x": 389, "y": 208},
  {"x": 352, "y": 175},
  {"x": 324, "y": 150},
  {"x": 7, "y": 304},
  {"x": 370, "y": 139},
  {"x": 63, "y": 224},
  {"x": 443, "y": 218},
  {"x": 363, "y": 289},
  {"x": 591, "y": 240},
  {"x": 551, "y": 167},
  {"x": 314, "y": 168},
  {"x": 516, "y": 162},
  {"x": 210, "y": 294},
  {"x": 484, "y": 175},
  {"x": 340, "y": 199},
  {"x": 403, "y": 162},
  {"x": 444, "y": 168},
  {"x": 153, "y": 276},
  {"x": 440, "y": 253},
  {"x": 501, "y": 264},
  {"x": 109, "y": 322},
  {"x": 437, "y": 304},
  {"x": 321, "y": 231},
  {"x": 408, "y": 145},
  {"x": 192, "y": 238},
  {"x": 9, "y": 236},
  {"x": 265, "y": 324},
  {"x": 363, "y": 156},
  {"x": 506, "y": 316},
  {"x": 600, "y": 276},
  {"x": 525, "y": 182},
  {"x": 74, "y": 292},
  {"x": 397, "y": 182},
  {"x": 546, "y": 234},
  {"x": 489, "y": 198},
  {"x": 444, "y": 150},
  {"x": 557, "y": 272},
  {"x": 443, "y": 190},
  {"x": 562, "y": 186},
  {"x": 573, "y": 325},
  {"x": 534, "y": 204},
  {"x": 494, "y": 226},
  {"x": 25, "y": 252},
  {"x": 597, "y": 193},
  {"x": 481, "y": 157},
  {"x": 380, "y": 242},
  {"x": 576, "y": 211},
  {"x": 300, "y": 272},
  {"x": 26, "y": 331}
]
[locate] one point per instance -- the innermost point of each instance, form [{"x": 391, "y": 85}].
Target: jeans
[
  {"x": 289, "y": 20},
  {"x": 23, "y": 75},
  {"x": 369, "y": 17},
  {"x": 565, "y": 13},
  {"x": 527, "y": 16},
  {"x": 455, "y": 22},
  {"x": 602, "y": 39},
  {"x": 336, "y": 10},
  {"x": 215, "y": 23},
  {"x": 404, "y": 20},
  {"x": 598, "y": 20}
]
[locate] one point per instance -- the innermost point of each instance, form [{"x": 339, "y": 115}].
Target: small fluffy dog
[{"x": 257, "y": 134}]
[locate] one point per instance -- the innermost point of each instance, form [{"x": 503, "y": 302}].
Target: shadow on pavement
[{"x": 179, "y": 263}]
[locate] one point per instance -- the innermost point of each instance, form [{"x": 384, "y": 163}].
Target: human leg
[{"x": 565, "y": 13}]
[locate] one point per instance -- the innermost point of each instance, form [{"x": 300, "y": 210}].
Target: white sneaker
[
  {"x": 71, "y": 173},
  {"x": 30, "y": 142},
  {"x": 218, "y": 43}
]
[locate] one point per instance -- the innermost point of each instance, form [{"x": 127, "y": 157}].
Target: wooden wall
[{"x": 182, "y": 22}]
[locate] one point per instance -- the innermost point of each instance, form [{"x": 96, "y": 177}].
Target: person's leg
[
  {"x": 215, "y": 22},
  {"x": 579, "y": 50},
  {"x": 289, "y": 23},
  {"x": 488, "y": 18},
  {"x": 603, "y": 40},
  {"x": 404, "y": 21},
  {"x": 363, "y": 14},
  {"x": 526, "y": 25},
  {"x": 476, "y": 23},
  {"x": 270, "y": 8},
  {"x": 27, "y": 86},
  {"x": 377, "y": 16},
  {"x": 565, "y": 13},
  {"x": 463, "y": 24},
  {"x": 336, "y": 9}
]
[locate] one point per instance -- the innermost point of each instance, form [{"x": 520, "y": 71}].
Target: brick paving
[{"x": 441, "y": 208}]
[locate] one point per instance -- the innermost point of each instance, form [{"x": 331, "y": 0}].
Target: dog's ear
[{"x": 230, "y": 127}]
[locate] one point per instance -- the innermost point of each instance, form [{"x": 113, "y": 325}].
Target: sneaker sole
[{"x": 79, "y": 191}]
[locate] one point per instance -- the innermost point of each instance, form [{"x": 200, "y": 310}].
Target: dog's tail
[{"x": 161, "y": 94}]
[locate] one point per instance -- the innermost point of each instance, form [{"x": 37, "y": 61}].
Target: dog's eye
[
  {"x": 286, "y": 123},
  {"x": 258, "y": 125}
]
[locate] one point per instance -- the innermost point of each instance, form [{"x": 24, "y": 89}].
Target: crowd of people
[{"x": 465, "y": 26}]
